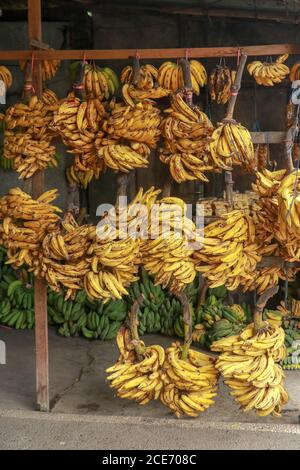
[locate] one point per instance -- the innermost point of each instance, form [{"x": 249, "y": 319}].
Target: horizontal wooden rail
[
  {"x": 270, "y": 137},
  {"x": 119, "y": 54}
]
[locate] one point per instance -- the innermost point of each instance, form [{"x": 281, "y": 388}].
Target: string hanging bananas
[
  {"x": 229, "y": 253},
  {"x": 248, "y": 364},
  {"x": 136, "y": 380},
  {"x": 49, "y": 67},
  {"x": 232, "y": 145},
  {"x": 269, "y": 73},
  {"x": 27, "y": 136},
  {"x": 220, "y": 82},
  {"x": 189, "y": 386},
  {"x": 186, "y": 131},
  {"x": 170, "y": 76},
  {"x": 6, "y": 76}
]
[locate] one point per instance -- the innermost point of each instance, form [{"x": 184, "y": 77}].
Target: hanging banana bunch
[
  {"x": 24, "y": 224},
  {"x": 186, "y": 131},
  {"x": 170, "y": 76},
  {"x": 145, "y": 86},
  {"x": 6, "y": 76},
  {"x": 99, "y": 83},
  {"x": 269, "y": 73},
  {"x": 27, "y": 135},
  {"x": 49, "y": 67},
  {"x": 295, "y": 72},
  {"x": 232, "y": 145},
  {"x": 78, "y": 123},
  {"x": 132, "y": 131},
  {"x": 220, "y": 82},
  {"x": 166, "y": 254},
  {"x": 229, "y": 253}
]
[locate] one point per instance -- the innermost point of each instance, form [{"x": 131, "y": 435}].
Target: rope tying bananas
[
  {"x": 170, "y": 76},
  {"x": 220, "y": 82},
  {"x": 269, "y": 73},
  {"x": 248, "y": 364},
  {"x": 186, "y": 132}
]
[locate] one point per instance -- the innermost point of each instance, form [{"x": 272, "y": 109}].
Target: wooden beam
[
  {"x": 40, "y": 287},
  {"x": 271, "y": 137},
  {"x": 120, "y": 54}
]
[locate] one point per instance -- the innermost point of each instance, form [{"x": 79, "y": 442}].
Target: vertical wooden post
[{"x": 40, "y": 287}]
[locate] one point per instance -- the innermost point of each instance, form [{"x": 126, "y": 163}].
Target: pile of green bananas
[{"x": 83, "y": 316}]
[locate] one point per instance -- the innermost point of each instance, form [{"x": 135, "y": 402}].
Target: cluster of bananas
[
  {"x": 229, "y": 252},
  {"x": 24, "y": 223},
  {"x": 49, "y": 67},
  {"x": 79, "y": 125},
  {"x": 248, "y": 364},
  {"x": 132, "y": 132},
  {"x": 186, "y": 132},
  {"x": 144, "y": 87},
  {"x": 113, "y": 266},
  {"x": 188, "y": 385},
  {"x": 232, "y": 145},
  {"x": 269, "y": 73},
  {"x": 99, "y": 83},
  {"x": 170, "y": 76},
  {"x": 6, "y": 76},
  {"x": 79, "y": 178},
  {"x": 167, "y": 253},
  {"x": 27, "y": 137},
  {"x": 134, "y": 379},
  {"x": 295, "y": 72},
  {"x": 267, "y": 277},
  {"x": 220, "y": 82}
]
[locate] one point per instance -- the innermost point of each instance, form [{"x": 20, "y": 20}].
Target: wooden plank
[
  {"x": 271, "y": 137},
  {"x": 40, "y": 287},
  {"x": 120, "y": 54}
]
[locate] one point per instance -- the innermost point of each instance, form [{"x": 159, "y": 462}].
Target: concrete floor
[{"x": 85, "y": 410}]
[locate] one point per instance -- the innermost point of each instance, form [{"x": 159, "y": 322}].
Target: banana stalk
[
  {"x": 259, "y": 324},
  {"x": 134, "y": 324},
  {"x": 187, "y": 324}
]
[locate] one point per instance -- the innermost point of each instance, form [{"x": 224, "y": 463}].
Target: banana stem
[
  {"x": 134, "y": 323},
  {"x": 187, "y": 321},
  {"x": 122, "y": 185},
  {"x": 260, "y": 305},
  {"x": 203, "y": 288}
]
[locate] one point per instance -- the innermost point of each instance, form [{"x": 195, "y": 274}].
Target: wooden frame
[{"x": 35, "y": 39}]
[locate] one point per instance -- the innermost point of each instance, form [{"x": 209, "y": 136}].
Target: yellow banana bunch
[
  {"x": 248, "y": 364},
  {"x": 294, "y": 308},
  {"x": 133, "y": 379},
  {"x": 49, "y": 67},
  {"x": 146, "y": 80},
  {"x": 170, "y": 76},
  {"x": 99, "y": 83},
  {"x": 138, "y": 124},
  {"x": 27, "y": 137},
  {"x": 232, "y": 145},
  {"x": 220, "y": 82},
  {"x": 189, "y": 385},
  {"x": 289, "y": 202},
  {"x": 186, "y": 131},
  {"x": 269, "y": 73},
  {"x": 132, "y": 95},
  {"x": 79, "y": 178},
  {"x": 24, "y": 224},
  {"x": 113, "y": 265},
  {"x": 166, "y": 254},
  {"x": 265, "y": 278},
  {"x": 6, "y": 76},
  {"x": 229, "y": 253},
  {"x": 122, "y": 157}
]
